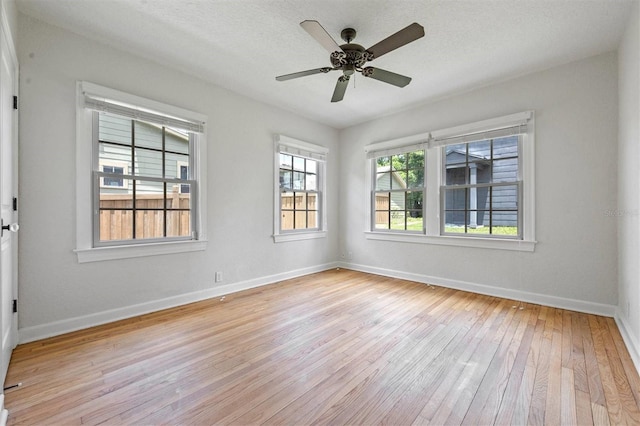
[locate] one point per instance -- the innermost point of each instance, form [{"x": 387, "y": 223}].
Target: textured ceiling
[{"x": 243, "y": 44}]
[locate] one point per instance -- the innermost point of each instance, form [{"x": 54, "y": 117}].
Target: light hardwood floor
[{"x": 338, "y": 347}]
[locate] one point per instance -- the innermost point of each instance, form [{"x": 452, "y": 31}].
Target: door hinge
[
  {"x": 15, "y": 102},
  {"x": 15, "y": 204},
  {"x": 15, "y": 306}
]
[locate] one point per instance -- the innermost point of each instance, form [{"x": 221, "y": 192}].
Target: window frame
[
  {"x": 297, "y": 148},
  {"x": 87, "y": 185},
  {"x": 433, "y": 202}
]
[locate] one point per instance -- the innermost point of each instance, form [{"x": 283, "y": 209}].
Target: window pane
[
  {"x": 114, "y": 153},
  {"x": 178, "y": 223},
  {"x": 286, "y": 179},
  {"x": 382, "y": 164},
  {"x": 176, "y": 140},
  {"x": 382, "y": 219},
  {"x": 312, "y": 166},
  {"x": 178, "y": 196},
  {"x": 286, "y": 201},
  {"x": 415, "y": 178},
  {"x": 301, "y": 220},
  {"x": 298, "y": 180},
  {"x": 311, "y": 183},
  {"x": 398, "y": 180},
  {"x": 456, "y": 176},
  {"x": 479, "y": 151},
  {"x": 456, "y": 154},
  {"x": 399, "y": 162},
  {"x": 116, "y": 225},
  {"x": 312, "y": 218},
  {"x": 148, "y": 135},
  {"x": 455, "y": 199},
  {"x": 300, "y": 202},
  {"x": 505, "y": 147},
  {"x": 397, "y": 201},
  {"x": 298, "y": 163},
  {"x": 505, "y": 170},
  {"x": 312, "y": 201},
  {"x": 116, "y": 198},
  {"x": 149, "y": 195},
  {"x": 414, "y": 201},
  {"x": 148, "y": 163},
  {"x": 149, "y": 224},
  {"x": 398, "y": 220},
  {"x": 383, "y": 181},
  {"x": 504, "y": 198},
  {"x": 286, "y": 220},
  {"x": 113, "y": 128},
  {"x": 286, "y": 161},
  {"x": 504, "y": 223},
  {"x": 176, "y": 165},
  {"x": 416, "y": 160},
  {"x": 478, "y": 222}
]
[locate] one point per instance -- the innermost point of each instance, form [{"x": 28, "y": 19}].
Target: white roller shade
[
  {"x": 516, "y": 124},
  {"x": 299, "y": 148},
  {"x": 386, "y": 152},
  {"x": 102, "y": 104}
]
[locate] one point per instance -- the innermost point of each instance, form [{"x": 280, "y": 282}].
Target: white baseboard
[
  {"x": 30, "y": 334},
  {"x": 524, "y": 296},
  {"x": 633, "y": 346}
]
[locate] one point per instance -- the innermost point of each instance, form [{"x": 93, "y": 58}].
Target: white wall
[
  {"x": 11, "y": 15},
  {"x": 629, "y": 184},
  {"x": 576, "y": 154},
  {"x": 57, "y": 293}
]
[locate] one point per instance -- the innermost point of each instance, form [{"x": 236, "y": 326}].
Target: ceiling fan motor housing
[{"x": 354, "y": 55}]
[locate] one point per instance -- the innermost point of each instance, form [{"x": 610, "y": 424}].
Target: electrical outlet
[{"x": 218, "y": 277}]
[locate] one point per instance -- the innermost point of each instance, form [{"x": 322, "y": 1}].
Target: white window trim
[
  {"x": 84, "y": 169},
  {"x": 433, "y": 179},
  {"x": 317, "y": 152}
]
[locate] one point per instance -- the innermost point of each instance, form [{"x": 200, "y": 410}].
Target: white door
[{"x": 8, "y": 190}]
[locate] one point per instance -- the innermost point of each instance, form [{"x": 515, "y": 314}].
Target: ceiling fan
[{"x": 351, "y": 57}]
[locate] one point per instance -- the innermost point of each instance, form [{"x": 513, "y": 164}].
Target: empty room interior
[{"x": 320, "y": 212}]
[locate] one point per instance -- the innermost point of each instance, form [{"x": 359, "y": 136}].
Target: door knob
[{"x": 13, "y": 227}]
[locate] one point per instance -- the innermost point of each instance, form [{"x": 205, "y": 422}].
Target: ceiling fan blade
[
  {"x": 386, "y": 76},
  {"x": 304, "y": 73},
  {"x": 399, "y": 39},
  {"x": 341, "y": 87},
  {"x": 321, "y": 35}
]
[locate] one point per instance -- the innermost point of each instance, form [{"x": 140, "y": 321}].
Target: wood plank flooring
[{"x": 337, "y": 347}]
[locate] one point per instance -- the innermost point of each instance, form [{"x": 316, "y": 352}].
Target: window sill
[
  {"x": 297, "y": 236},
  {"x": 488, "y": 243},
  {"x": 138, "y": 250}
]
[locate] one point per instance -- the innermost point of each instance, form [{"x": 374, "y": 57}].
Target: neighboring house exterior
[{"x": 383, "y": 183}]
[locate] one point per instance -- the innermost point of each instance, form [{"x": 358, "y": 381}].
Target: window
[
  {"x": 142, "y": 160},
  {"x": 399, "y": 190},
  {"x": 470, "y": 185},
  {"x": 152, "y": 205},
  {"x": 481, "y": 191},
  {"x": 299, "y": 190}
]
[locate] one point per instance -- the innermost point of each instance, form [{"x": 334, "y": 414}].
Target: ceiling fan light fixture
[{"x": 352, "y": 57}]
